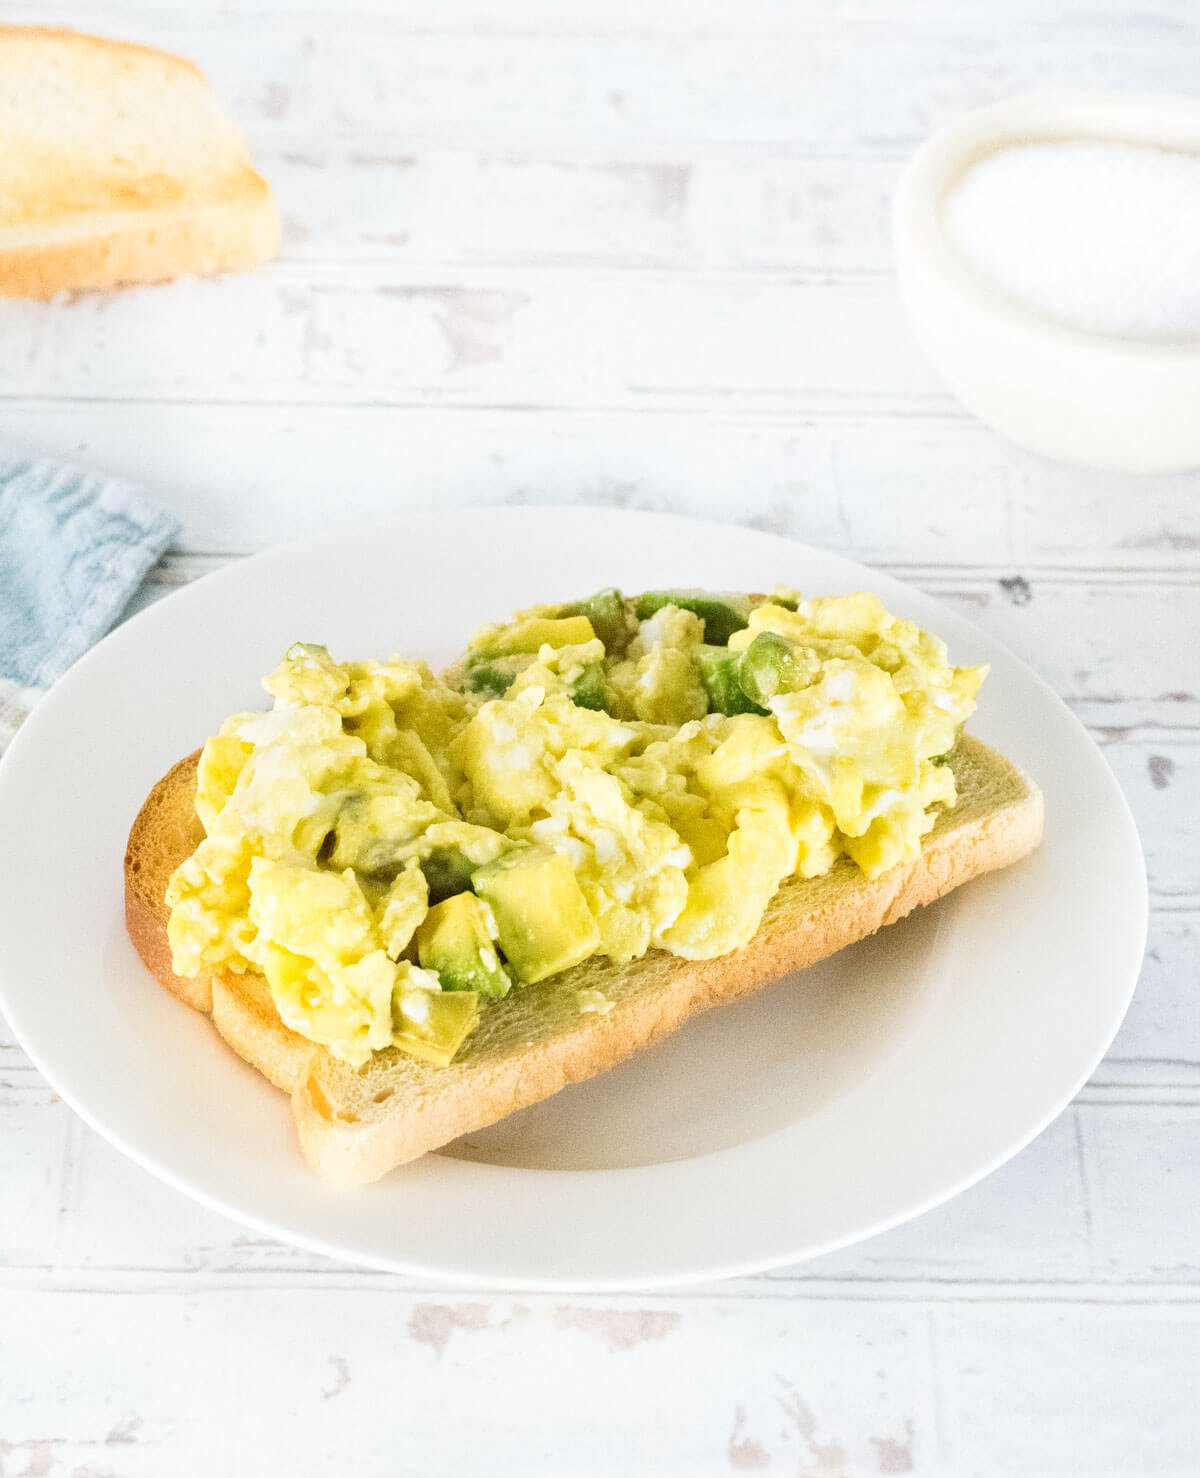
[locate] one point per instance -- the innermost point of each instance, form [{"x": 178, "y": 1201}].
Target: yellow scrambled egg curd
[
  {"x": 316, "y": 817},
  {"x": 391, "y": 849},
  {"x": 880, "y": 710},
  {"x": 658, "y": 680}
]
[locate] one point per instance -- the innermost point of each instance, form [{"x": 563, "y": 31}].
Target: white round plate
[{"x": 828, "y": 1107}]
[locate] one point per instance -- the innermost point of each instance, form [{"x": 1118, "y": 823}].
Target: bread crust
[
  {"x": 152, "y": 246},
  {"x": 164, "y": 832},
  {"x": 84, "y": 40},
  {"x": 354, "y": 1127}
]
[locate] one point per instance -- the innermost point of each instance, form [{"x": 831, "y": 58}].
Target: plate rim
[{"x": 772, "y": 1256}]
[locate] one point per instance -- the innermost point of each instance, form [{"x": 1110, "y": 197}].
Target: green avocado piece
[
  {"x": 771, "y": 664},
  {"x": 542, "y": 917},
  {"x": 455, "y": 940},
  {"x": 489, "y": 678},
  {"x": 589, "y": 690},
  {"x": 447, "y": 872},
  {"x": 722, "y": 614},
  {"x": 431, "y": 1024},
  {"x": 609, "y": 613},
  {"x": 719, "y": 674},
  {"x": 492, "y": 673}
]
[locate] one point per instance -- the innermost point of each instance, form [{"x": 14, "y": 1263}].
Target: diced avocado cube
[
  {"x": 719, "y": 674},
  {"x": 771, "y": 664},
  {"x": 542, "y": 917},
  {"x": 447, "y": 872},
  {"x": 589, "y": 690},
  {"x": 455, "y": 940},
  {"x": 722, "y": 614},
  {"x": 492, "y": 674},
  {"x": 609, "y": 613},
  {"x": 433, "y": 1025},
  {"x": 489, "y": 678},
  {"x": 540, "y": 631}
]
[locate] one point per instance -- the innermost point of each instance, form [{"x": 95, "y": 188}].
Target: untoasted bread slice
[
  {"x": 357, "y": 1124},
  {"x": 118, "y": 165}
]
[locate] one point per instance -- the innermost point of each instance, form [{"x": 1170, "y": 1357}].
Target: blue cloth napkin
[{"x": 74, "y": 547}]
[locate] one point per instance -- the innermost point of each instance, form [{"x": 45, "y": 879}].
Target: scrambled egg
[{"x": 391, "y": 849}]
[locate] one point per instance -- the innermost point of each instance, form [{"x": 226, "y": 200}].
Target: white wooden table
[{"x": 636, "y": 254}]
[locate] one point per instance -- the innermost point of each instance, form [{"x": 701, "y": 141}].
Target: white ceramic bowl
[{"x": 1122, "y": 403}]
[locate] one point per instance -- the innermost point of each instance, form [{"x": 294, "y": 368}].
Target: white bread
[
  {"x": 118, "y": 165},
  {"x": 357, "y": 1124}
]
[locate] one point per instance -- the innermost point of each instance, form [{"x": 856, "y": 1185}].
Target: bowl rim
[{"x": 1156, "y": 120}]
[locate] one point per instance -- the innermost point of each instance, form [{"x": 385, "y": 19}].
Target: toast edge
[
  {"x": 147, "y": 867},
  {"x": 196, "y": 240}
]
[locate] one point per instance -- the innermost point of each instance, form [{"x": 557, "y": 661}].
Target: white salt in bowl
[{"x": 1125, "y": 400}]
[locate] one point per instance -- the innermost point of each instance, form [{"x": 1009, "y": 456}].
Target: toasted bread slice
[
  {"x": 118, "y": 165},
  {"x": 357, "y": 1124}
]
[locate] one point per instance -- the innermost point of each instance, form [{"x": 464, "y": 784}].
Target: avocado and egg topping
[{"x": 394, "y": 850}]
